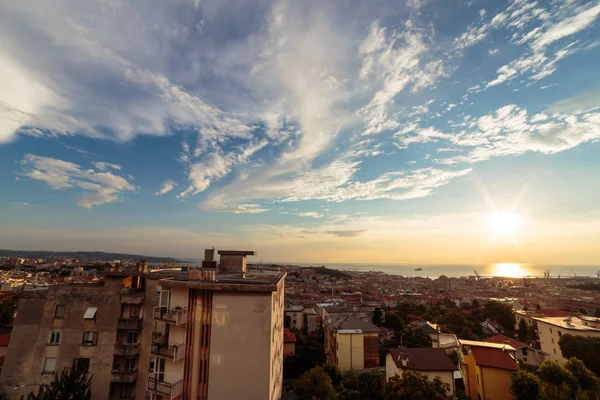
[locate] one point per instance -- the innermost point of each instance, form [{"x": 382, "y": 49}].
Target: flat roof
[
  {"x": 265, "y": 281},
  {"x": 572, "y": 323},
  {"x": 237, "y": 252},
  {"x": 475, "y": 343},
  {"x": 349, "y": 331}
]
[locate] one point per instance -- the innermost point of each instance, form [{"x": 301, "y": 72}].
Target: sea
[{"x": 515, "y": 270}]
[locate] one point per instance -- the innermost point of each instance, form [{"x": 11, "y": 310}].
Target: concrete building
[
  {"x": 215, "y": 327},
  {"x": 352, "y": 344},
  {"x": 551, "y": 329},
  {"x": 311, "y": 320},
  {"x": 296, "y": 315},
  {"x": 486, "y": 369},
  {"x": 525, "y": 353},
  {"x": 425, "y": 361},
  {"x": 156, "y": 335},
  {"x": 99, "y": 326}
]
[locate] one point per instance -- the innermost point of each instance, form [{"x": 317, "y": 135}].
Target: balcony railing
[
  {"x": 133, "y": 296},
  {"x": 171, "y": 389},
  {"x": 174, "y": 352},
  {"x": 129, "y": 323},
  {"x": 177, "y": 316},
  {"x": 127, "y": 349},
  {"x": 124, "y": 375}
]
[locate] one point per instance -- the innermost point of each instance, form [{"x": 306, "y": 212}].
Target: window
[
  {"x": 554, "y": 351},
  {"x": 89, "y": 339},
  {"x": 550, "y": 330},
  {"x": 524, "y": 351},
  {"x": 552, "y": 340},
  {"x": 559, "y": 333},
  {"x": 83, "y": 364},
  {"x": 130, "y": 364},
  {"x": 90, "y": 313},
  {"x": 132, "y": 337},
  {"x": 134, "y": 312},
  {"x": 54, "y": 338},
  {"x": 50, "y": 364},
  {"x": 59, "y": 312}
]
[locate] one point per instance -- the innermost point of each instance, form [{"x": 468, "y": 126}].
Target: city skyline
[{"x": 415, "y": 133}]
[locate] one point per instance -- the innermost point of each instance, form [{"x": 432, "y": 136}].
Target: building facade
[
  {"x": 156, "y": 335},
  {"x": 550, "y": 331},
  {"x": 352, "y": 344}
]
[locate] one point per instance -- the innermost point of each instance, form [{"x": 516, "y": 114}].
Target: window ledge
[{"x": 52, "y": 344}]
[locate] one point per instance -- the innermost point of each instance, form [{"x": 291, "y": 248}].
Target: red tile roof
[
  {"x": 555, "y": 313},
  {"x": 495, "y": 358},
  {"x": 4, "y": 339},
  {"x": 501, "y": 339},
  {"x": 288, "y": 337},
  {"x": 423, "y": 359}
]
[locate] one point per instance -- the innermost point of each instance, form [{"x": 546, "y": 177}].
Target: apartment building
[
  {"x": 551, "y": 329},
  {"x": 162, "y": 335},
  {"x": 99, "y": 326},
  {"x": 213, "y": 327},
  {"x": 352, "y": 344},
  {"x": 486, "y": 369}
]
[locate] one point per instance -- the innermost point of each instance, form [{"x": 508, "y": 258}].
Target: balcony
[
  {"x": 176, "y": 316},
  {"x": 170, "y": 389},
  {"x": 130, "y": 324},
  {"x": 124, "y": 376},
  {"x": 175, "y": 352},
  {"x": 127, "y": 349},
  {"x": 132, "y": 296}
]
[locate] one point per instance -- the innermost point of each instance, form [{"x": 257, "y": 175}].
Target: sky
[{"x": 354, "y": 131}]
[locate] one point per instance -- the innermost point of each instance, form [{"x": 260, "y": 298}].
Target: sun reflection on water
[{"x": 510, "y": 270}]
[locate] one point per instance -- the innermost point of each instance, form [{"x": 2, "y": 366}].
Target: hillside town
[{"x": 472, "y": 333}]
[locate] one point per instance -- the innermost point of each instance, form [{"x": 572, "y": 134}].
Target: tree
[
  {"x": 522, "y": 331},
  {"x": 586, "y": 378},
  {"x": 310, "y": 352},
  {"x": 315, "y": 384},
  {"x": 377, "y": 317},
  {"x": 71, "y": 384},
  {"x": 7, "y": 312},
  {"x": 393, "y": 322},
  {"x": 500, "y": 313},
  {"x": 287, "y": 321},
  {"x": 411, "y": 386},
  {"x": 415, "y": 338},
  {"x": 474, "y": 304},
  {"x": 334, "y": 374},
  {"x": 525, "y": 385},
  {"x": 584, "y": 348},
  {"x": 371, "y": 385}
]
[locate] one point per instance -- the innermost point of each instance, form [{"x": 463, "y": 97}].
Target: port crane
[{"x": 477, "y": 274}]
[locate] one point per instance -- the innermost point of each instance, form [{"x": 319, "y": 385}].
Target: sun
[{"x": 505, "y": 223}]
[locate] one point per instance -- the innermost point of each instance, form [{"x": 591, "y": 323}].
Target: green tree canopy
[
  {"x": 377, "y": 317},
  {"x": 315, "y": 385},
  {"x": 500, "y": 313},
  {"x": 412, "y": 386},
  {"x": 71, "y": 384},
  {"x": 371, "y": 385},
  {"x": 587, "y": 349},
  {"x": 525, "y": 385}
]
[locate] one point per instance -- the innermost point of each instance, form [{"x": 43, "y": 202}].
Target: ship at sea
[{"x": 418, "y": 269}]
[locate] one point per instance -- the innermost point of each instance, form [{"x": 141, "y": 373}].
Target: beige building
[
  {"x": 158, "y": 335},
  {"x": 431, "y": 362},
  {"x": 224, "y": 332},
  {"x": 551, "y": 329},
  {"x": 352, "y": 344}
]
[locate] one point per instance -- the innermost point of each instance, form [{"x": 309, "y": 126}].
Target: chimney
[
  {"x": 209, "y": 265},
  {"x": 195, "y": 274},
  {"x": 234, "y": 261}
]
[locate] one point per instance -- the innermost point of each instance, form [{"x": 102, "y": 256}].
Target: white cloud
[
  {"x": 100, "y": 187},
  {"x": 309, "y": 214},
  {"x": 103, "y": 166},
  {"x": 493, "y": 51},
  {"x": 236, "y": 208},
  {"x": 166, "y": 187}
]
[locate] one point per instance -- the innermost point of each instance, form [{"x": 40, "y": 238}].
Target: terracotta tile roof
[
  {"x": 4, "y": 339},
  {"x": 555, "y": 313},
  {"x": 501, "y": 339},
  {"x": 495, "y": 358},
  {"x": 423, "y": 359},
  {"x": 288, "y": 337}
]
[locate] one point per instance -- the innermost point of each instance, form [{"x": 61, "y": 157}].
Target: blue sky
[{"x": 352, "y": 131}]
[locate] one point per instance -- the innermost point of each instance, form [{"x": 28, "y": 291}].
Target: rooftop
[
  {"x": 501, "y": 339},
  {"x": 264, "y": 281},
  {"x": 494, "y": 358},
  {"x": 570, "y": 323},
  {"x": 475, "y": 343},
  {"x": 423, "y": 359},
  {"x": 351, "y": 322}
]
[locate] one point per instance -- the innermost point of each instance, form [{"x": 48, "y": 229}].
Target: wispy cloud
[
  {"x": 166, "y": 187},
  {"x": 346, "y": 234},
  {"x": 309, "y": 214},
  {"x": 99, "y": 187}
]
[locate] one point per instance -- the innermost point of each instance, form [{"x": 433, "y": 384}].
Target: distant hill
[{"x": 86, "y": 256}]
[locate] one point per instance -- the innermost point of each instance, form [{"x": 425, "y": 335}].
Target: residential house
[
  {"x": 551, "y": 329},
  {"x": 431, "y": 362},
  {"x": 352, "y": 344},
  {"x": 289, "y": 343},
  {"x": 525, "y": 353},
  {"x": 491, "y": 327},
  {"x": 296, "y": 315},
  {"x": 486, "y": 369}
]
